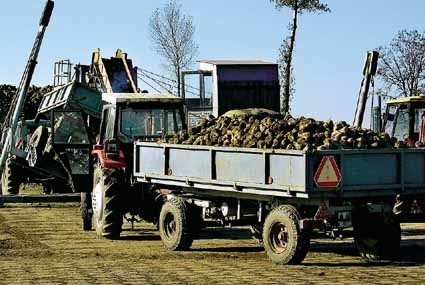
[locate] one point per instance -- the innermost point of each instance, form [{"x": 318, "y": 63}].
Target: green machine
[
  {"x": 54, "y": 148},
  {"x": 56, "y": 154}
]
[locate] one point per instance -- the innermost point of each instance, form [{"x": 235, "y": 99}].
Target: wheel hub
[
  {"x": 279, "y": 237},
  {"x": 32, "y": 156},
  {"x": 169, "y": 226}
]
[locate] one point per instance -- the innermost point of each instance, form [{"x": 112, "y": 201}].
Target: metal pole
[
  {"x": 179, "y": 82},
  {"x": 26, "y": 80},
  {"x": 183, "y": 84},
  {"x": 369, "y": 70},
  {"x": 371, "y": 112},
  {"x": 380, "y": 114},
  {"x": 201, "y": 90}
]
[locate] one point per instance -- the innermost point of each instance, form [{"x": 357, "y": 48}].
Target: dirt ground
[{"x": 44, "y": 243}]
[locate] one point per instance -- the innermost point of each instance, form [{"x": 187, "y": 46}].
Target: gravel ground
[{"x": 44, "y": 244}]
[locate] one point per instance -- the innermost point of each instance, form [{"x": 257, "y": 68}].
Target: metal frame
[
  {"x": 202, "y": 73},
  {"x": 62, "y": 72}
]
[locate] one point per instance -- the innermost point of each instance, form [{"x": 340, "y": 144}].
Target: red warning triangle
[{"x": 327, "y": 174}]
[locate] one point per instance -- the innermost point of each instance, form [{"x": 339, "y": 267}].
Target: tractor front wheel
[{"x": 107, "y": 213}]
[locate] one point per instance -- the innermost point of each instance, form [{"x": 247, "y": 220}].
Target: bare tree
[
  {"x": 172, "y": 34},
  {"x": 287, "y": 48},
  {"x": 402, "y": 64}
]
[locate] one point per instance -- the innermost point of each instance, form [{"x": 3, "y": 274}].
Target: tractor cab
[
  {"x": 404, "y": 119},
  {"x": 131, "y": 117}
]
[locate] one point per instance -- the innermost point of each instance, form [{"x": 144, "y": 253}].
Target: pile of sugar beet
[
  {"x": 34, "y": 96},
  {"x": 259, "y": 128}
]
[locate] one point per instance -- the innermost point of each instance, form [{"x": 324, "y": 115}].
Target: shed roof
[
  {"x": 114, "y": 98},
  {"x": 236, "y": 62},
  {"x": 407, "y": 100}
]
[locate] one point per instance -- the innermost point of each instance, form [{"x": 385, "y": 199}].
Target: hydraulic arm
[
  {"x": 369, "y": 71},
  {"x": 17, "y": 104}
]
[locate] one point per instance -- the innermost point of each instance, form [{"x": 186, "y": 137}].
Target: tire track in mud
[{"x": 16, "y": 242}]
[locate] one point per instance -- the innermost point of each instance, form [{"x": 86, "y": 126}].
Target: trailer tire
[
  {"x": 375, "y": 238},
  {"x": 282, "y": 237},
  {"x": 174, "y": 225},
  {"x": 10, "y": 180},
  {"x": 107, "y": 214}
]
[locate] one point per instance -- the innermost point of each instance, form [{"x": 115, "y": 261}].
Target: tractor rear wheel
[
  {"x": 107, "y": 213},
  {"x": 10, "y": 179}
]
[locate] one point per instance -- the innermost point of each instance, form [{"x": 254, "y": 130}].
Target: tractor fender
[{"x": 110, "y": 160}]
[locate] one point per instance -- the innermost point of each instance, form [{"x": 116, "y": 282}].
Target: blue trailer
[
  {"x": 282, "y": 173},
  {"x": 284, "y": 195}
]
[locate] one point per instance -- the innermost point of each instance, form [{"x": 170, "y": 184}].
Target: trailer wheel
[
  {"x": 10, "y": 181},
  {"x": 282, "y": 237},
  {"x": 107, "y": 215},
  {"x": 174, "y": 225},
  {"x": 375, "y": 238}
]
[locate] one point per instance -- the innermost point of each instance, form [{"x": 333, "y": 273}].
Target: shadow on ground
[
  {"x": 140, "y": 235},
  {"x": 234, "y": 249},
  {"x": 412, "y": 251}
]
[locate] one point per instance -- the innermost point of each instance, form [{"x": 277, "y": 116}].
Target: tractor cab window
[
  {"x": 389, "y": 119},
  {"x": 108, "y": 124},
  {"x": 174, "y": 121},
  {"x": 69, "y": 128},
  {"x": 401, "y": 130},
  {"x": 419, "y": 114},
  {"x": 141, "y": 123}
]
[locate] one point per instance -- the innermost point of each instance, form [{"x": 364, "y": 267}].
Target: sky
[{"x": 329, "y": 52}]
